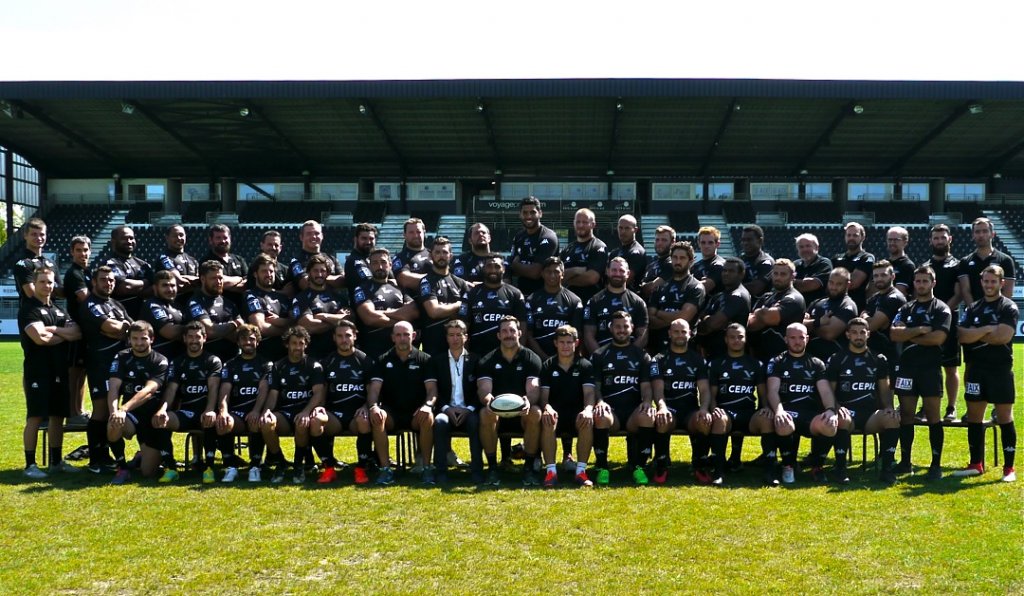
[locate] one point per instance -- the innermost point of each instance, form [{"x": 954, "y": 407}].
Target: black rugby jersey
[
  {"x": 357, "y": 270},
  {"x": 790, "y": 303},
  {"x": 160, "y": 313},
  {"x": 260, "y": 301},
  {"x": 217, "y": 309},
  {"x": 736, "y": 379},
  {"x": 903, "y": 268},
  {"x": 972, "y": 265},
  {"x": 592, "y": 255},
  {"x": 314, "y": 302},
  {"x": 636, "y": 256},
  {"x": 294, "y": 382},
  {"x": 657, "y": 267},
  {"x": 862, "y": 261},
  {"x": 889, "y": 303},
  {"x": 383, "y": 296},
  {"x": 598, "y": 312},
  {"x": 469, "y": 266},
  {"x": 297, "y": 268},
  {"x": 758, "y": 267},
  {"x": 620, "y": 370},
  {"x": 709, "y": 269},
  {"x": 414, "y": 261},
  {"x": 132, "y": 268},
  {"x": 483, "y": 310},
  {"x": 675, "y": 293},
  {"x": 345, "y": 379},
  {"x": 134, "y": 371},
  {"x": 26, "y": 266},
  {"x": 42, "y": 358},
  {"x": 533, "y": 249},
  {"x": 546, "y": 312},
  {"x": 820, "y": 268},
  {"x": 735, "y": 305},
  {"x": 192, "y": 376},
  {"x": 76, "y": 279},
  {"x": 843, "y": 309},
  {"x": 798, "y": 377},
  {"x": 1001, "y": 311},
  {"x": 182, "y": 262},
  {"x": 95, "y": 310},
  {"x": 446, "y": 289},
  {"x": 857, "y": 377},
  {"x": 679, "y": 373},
  {"x": 947, "y": 270},
  {"x": 244, "y": 376},
  {"x": 933, "y": 314}
]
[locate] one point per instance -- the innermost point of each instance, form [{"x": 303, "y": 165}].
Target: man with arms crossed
[{"x": 534, "y": 243}]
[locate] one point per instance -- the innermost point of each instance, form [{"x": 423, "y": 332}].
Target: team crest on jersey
[
  {"x": 785, "y": 373},
  {"x": 497, "y": 366},
  {"x": 610, "y": 366},
  {"x": 725, "y": 375},
  {"x": 389, "y": 365},
  {"x": 555, "y": 374}
]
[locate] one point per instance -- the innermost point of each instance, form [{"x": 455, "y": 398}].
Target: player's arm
[
  {"x": 114, "y": 328},
  {"x": 808, "y": 284},
  {"x": 646, "y": 393},
  {"x": 712, "y": 323},
  {"x": 212, "y": 392},
  {"x": 705, "y": 398},
  {"x": 931, "y": 337},
  {"x": 964, "y": 283},
  {"x": 160, "y": 416},
  {"x": 262, "y": 395},
  {"x": 641, "y": 337},
  {"x": 41, "y": 336},
  {"x": 532, "y": 390},
  {"x": 113, "y": 391},
  {"x": 408, "y": 280},
  {"x": 373, "y": 393},
  {"x": 590, "y": 338},
  {"x": 271, "y": 402},
  {"x": 878, "y": 321},
  {"x": 484, "y": 386},
  {"x": 409, "y": 311},
  {"x": 223, "y": 391},
  {"x": 142, "y": 395},
  {"x": 437, "y": 311},
  {"x": 70, "y": 332},
  {"x": 884, "y": 393},
  {"x": 312, "y": 324},
  {"x": 772, "y": 395},
  {"x": 831, "y": 327},
  {"x": 762, "y": 318},
  {"x": 828, "y": 398},
  {"x": 371, "y": 317},
  {"x": 316, "y": 400}
]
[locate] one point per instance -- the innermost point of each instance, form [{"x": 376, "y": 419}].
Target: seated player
[
  {"x": 344, "y": 408},
  {"x": 735, "y": 381},
  {"x": 401, "y": 396},
  {"x": 567, "y": 405},
  {"x": 244, "y": 385},
  {"x": 136, "y": 377},
  {"x": 296, "y": 388},
  {"x": 510, "y": 368},
  {"x": 679, "y": 382},
  {"x": 624, "y": 399},
  {"x": 860, "y": 382},
  {"x": 797, "y": 392},
  {"x": 190, "y": 400}
]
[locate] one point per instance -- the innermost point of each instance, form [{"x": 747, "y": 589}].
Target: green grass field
[{"x": 76, "y": 534}]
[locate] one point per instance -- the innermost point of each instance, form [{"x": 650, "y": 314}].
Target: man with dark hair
[
  {"x": 234, "y": 270},
  {"x": 826, "y": 318},
  {"x": 105, "y": 325},
  {"x": 217, "y": 314},
  {"x": 880, "y": 311},
  {"x": 986, "y": 333},
  {"x": 631, "y": 250},
  {"x": 311, "y": 238},
  {"x": 857, "y": 261},
  {"x": 679, "y": 381},
  {"x": 440, "y": 297},
  {"x": 534, "y": 243},
  {"x": 758, "y": 277},
  {"x": 597, "y": 313},
  {"x": 486, "y": 304},
  {"x": 183, "y": 267},
  {"x": 458, "y": 404},
  {"x": 344, "y": 408},
  {"x": 984, "y": 254},
  {"x": 566, "y": 403},
  {"x": 859, "y": 378},
  {"x": 623, "y": 399},
  {"x": 548, "y": 309},
  {"x": 190, "y": 403},
  {"x": 45, "y": 332},
  {"x": 708, "y": 270},
  {"x": 811, "y": 269},
  {"x": 271, "y": 246},
  {"x": 682, "y": 297},
  {"x": 510, "y": 368},
  {"x": 319, "y": 308},
  {"x": 469, "y": 265},
  {"x": 947, "y": 289},
  {"x": 585, "y": 257},
  {"x": 896, "y": 239},
  {"x": 267, "y": 308},
  {"x": 775, "y": 311},
  {"x": 244, "y": 385},
  {"x": 731, "y": 305},
  {"x": 379, "y": 304},
  {"x": 401, "y": 396},
  {"x": 136, "y": 377},
  {"x": 357, "y": 263},
  {"x": 659, "y": 269},
  {"x": 32, "y": 258},
  {"x": 134, "y": 276},
  {"x": 921, "y": 326},
  {"x": 296, "y": 388},
  {"x": 413, "y": 262},
  {"x": 77, "y": 283},
  {"x": 801, "y": 401},
  {"x": 161, "y": 311}
]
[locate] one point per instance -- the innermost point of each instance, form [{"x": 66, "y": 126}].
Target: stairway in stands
[
  {"x": 454, "y": 228},
  {"x": 726, "y": 249},
  {"x": 391, "y": 235},
  {"x": 1006, "y": 234}
]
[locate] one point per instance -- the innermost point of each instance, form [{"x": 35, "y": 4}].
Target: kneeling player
[
  {"x": 623, "y": 399},
  {"x": 797, "y": 392},
  {"x": 567, "y": 405},
  {"x": 733, "y": 380},
  {"x": 244, "y": 385},
  {"x": 296, "y": 388},
  {"x": 986, "y": 334},
  {"x": 136, "y": 377},
  {"x": 345, "y": 373},
  {"x": 860, "y": 382},
  {"x": 193, "y": 383},
  {"x": 679, "y": 381}
]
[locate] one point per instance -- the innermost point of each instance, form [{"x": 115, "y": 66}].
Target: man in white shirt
[{"x": 458, "y": 402}]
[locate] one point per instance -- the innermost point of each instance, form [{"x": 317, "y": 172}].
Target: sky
[{"x": 381, "y": 40}]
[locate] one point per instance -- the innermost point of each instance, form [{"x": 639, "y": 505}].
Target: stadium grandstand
[{"x": 791, "y": 156}]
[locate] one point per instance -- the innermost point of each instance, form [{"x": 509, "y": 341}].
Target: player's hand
[
  {"x": 783, "y": 418},
  {"x": 423, "y": 413},
  {"x": 117, "y": 418},
  {"x": 662, "y": 416},
  {"x": 267, "y": 418},
  {"x": 222, "y": 421},
  {"x": 831, "y": 420},
  {"x": 704, "y": 418},
  {"x": 209, "y": 419},
  {"x": 601, "y": 410},
  {"x": 302, "y": 420},
  {"x": 160, "y": 419},
  {"x": 376, "y": 414},
  {"x": 526, "y": 410},
  {"x": 585, "y": 419},
  {"x": 549, "y": 416}
]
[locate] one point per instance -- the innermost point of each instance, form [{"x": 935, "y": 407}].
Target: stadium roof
[{"x": 644, "y": 128}]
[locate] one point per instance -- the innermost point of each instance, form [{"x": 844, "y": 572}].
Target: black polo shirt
[
  {"x": 403, "y": 381},
  {"x": 565, "y": 386},
  {"x": 509, "y": 376}
]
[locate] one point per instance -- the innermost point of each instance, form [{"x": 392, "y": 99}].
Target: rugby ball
[{"x": 508, "y": 405}]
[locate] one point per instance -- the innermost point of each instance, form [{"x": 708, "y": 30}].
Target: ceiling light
[
  {"x": 997, "y": 175},
  {"x": 127, "y": 108},
  {"x": 619, "y": 107},
  {"x": 975, "y": 108},
  {"x": 363, "y": 109},
  {"x": 497, "y": 172},
  {"x": 804, "y": 172},
  {"x": 858, "y": 109},
  {"x": 480, "y": 107},
  {"x": 244, "y": 112},
  {"x": 610, "y": 172}
]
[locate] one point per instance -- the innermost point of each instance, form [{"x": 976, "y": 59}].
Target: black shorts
[
  {"x": 402, "y": 416},
  {"x": 47, "y": 395},
  {"x": 567, "y": 422},
  {"x": 861, "y": 412},
  {"x": 98, "y": 377},
  {"x": 510, "y": 425},
  {"x": 988, "y": 385},
  {"x": 740, "y": 417},
  {"x": 345, "y": 412},
  {"x": 622, "y": 412},
  {"x": 76, "y": 354},
  {"x": 802, "y": 418},
  {"x": 951, "y": 348},
  {"x": 289, "y": 416},
  {"x": 188, "y": 420},
  {"x": 920, "y": 382}
]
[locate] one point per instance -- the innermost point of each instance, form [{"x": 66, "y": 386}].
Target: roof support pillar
[
  {"x": 172, "y": 200},
  {"x": 937, "y": 195},
  {"x": 228, "y": 194},
  {"x": 8, "y": 156}
]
